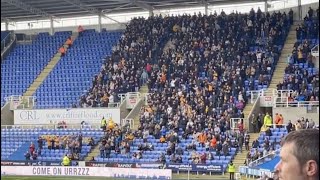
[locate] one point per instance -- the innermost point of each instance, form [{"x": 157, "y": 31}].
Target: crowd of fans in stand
[
  {"x": 72, "y": 143},
  {"x": 121, "y": 72},
  {"x": 196, "y": 84},
  {"x": 302, "y": 79},
  {"x": 210, "y": 51},
  {"x": 217, "y": 46}
]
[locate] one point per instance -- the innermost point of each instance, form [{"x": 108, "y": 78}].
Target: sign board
[
  {"x": 216, "y": 168},
  {"x": 70, "y": 116},
  {"x": 132, "y": 99},
  {"x": 266, "y": 101},
  {"x": 132, "y": 173}
]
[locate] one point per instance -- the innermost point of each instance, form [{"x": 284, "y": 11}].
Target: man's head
[{"x": 299, "y": 156}]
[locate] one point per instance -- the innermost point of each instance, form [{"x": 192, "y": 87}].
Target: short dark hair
[{"x": 306, "y": 142}]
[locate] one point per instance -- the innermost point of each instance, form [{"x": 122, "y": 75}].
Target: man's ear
[{"x": 311, "y": 168}]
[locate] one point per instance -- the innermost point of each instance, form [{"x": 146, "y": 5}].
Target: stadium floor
[{"x": 174, "y": 176}]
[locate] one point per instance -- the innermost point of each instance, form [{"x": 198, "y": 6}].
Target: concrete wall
[
  {"x": 136, "y": 110},
  {"x": 109, "y": 27},
  {"x": 316, "y": 62},
  {"x": 6, "y": 115},
  {"x": 255, "y": 110},
  {"x": 122, "y": 26},
  {"x": 294, "y": 113},
  {"x": 304, "y": 10},
  {"x": 123, "y": 110}
]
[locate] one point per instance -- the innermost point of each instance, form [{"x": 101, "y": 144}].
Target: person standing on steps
[
  {"x": 62, "y": 50},
  {"x": 231, "y": 170},
  {"x": 246, "y": 141}
]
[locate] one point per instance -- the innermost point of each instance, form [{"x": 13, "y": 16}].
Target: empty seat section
[
  {"x": 72, "y": 76},
  {"x": 26, "y": 61}
]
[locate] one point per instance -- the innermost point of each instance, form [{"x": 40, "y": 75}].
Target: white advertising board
[
  {"x": 70, "y": 116},
  {"x": 266, "y": 101},
  {"x": 87, "y": 172}
]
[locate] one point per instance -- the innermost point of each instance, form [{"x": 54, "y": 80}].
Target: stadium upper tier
[
  {"x": 72, "y": 75},
  {"x": 301, "y": 75},
  {"x": 25, "y": 62}
]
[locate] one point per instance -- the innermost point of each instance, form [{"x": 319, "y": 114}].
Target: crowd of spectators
[
  {"x": 122, "y": 71},
  {"x": 301, "y": 75},
  {"x": 210, "y": 51},
  {"x": 197, "y": 85},
  {"x": 71, "y": 143},
  {"x": 200, "y": 82}
]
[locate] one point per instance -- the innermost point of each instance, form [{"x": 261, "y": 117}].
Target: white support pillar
[
  {"x": 299, "y": 10},
  {"x": 265, "y": 6},
  {"x": 51, "y": 26},
  {"x": 206, "y": 8},
  {"x": 7, "y": 26},
  {"x": 151, "y": 12},
  {"x": 99, "y": 22}
]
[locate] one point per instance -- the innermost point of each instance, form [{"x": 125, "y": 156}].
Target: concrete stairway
[
  {"x": 241, "y": 157},
  {"x": 94, "y": 152},
  {"x": 143, "y": 90},
  {"x": 46, "y": 71},
  {"x": 246, "y": 111},
  {"x": 283, "y": 62}
]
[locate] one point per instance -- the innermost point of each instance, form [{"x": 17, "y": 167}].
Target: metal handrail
[
  {"x": 316, "y": 46},
  {"x": 272, "y": 154},
  {"x": 286, "y": 103},
  {"x": 5, "y": 48},
  {"x": 315, "y": 51},
  {"x": 50, "y": 126}
]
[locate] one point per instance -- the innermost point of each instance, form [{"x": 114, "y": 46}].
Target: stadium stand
[
  {"x": 183, "y": 115},
  {"x": 72, "y": 75},
  {"x": 26, "y": 61},
  {"x": 120, "y": 73},
  {"x": 301, "y": 75},
  {"x": 15, "y": 142}
]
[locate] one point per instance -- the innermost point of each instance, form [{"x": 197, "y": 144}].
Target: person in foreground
[{"x": 299, "y": 156}]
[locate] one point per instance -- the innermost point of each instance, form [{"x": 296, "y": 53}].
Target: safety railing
[
  {"x": 249, "y": 172},
  {"x": 235, "y": 121},
  {"x": 122, "y": 97},
  {"x": 247, "y": 123},
  {"x": 315, "y": 51},
  {"x": 146, "y": 98},
  {"x": 5, "y": 50},
  {"x": 20, "y": 102},
  {"x": 52, "y": 126},
  {"x": 7, "y": 40},
  {"x": 283, "y": 93},
  {"x": 284, "y": 102},
  {"x": 264, "y": 158},
  {"x": 127, "y": 122},
  {"x": 114, "y": 105},
  {"x": 258, "y": 93}
]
